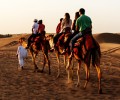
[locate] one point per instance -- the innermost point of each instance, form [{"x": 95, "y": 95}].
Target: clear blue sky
[{"x": 16, "y": 16}]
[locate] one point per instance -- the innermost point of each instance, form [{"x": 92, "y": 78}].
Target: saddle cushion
[
  {"x": 82, "y": 45},
  {"x": 60, "y": 40},
  {"x": 36, "y": 39},
  {"x": 81, "y": 51},
  {"x": 77, "y": 44},
  {"x": 89, "y": 42}
]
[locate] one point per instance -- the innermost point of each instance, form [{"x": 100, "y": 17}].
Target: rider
[
  {"x": 58, "y": 28},
  {"x": 83, "y": 25},
  {"x": 74, "y": 32},
  {"x": 34, "y": 32},
  {"x": 41, "y": 27},
  {"x": 74, "y": 23},
  {"x": 66, "y": 23}
]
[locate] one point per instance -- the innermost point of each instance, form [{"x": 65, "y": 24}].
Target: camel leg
[
  {"x": 87, "y": 70},
  {"x": 72, "y": 67},
  {"x": 44, "y": 62},
  {"x": 65, "y": 61},
  {"x": 45, "y": 53},
  {"x": 96, "y": 64},
  {"x": 33, "y": 59},
  {"x": 58, "y": 60},
  {"x": 68, "y": 70},
  {"x": 99, "y": 78},
  {"x": 78, "y": 73},
  {"x": 46, "y": 59}
]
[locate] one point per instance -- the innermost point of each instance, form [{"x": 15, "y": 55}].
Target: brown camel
[
  {"x": 59, "y": 46},
  {"x": 39, "y": 44},
  {"x": 86, "y": 49}
]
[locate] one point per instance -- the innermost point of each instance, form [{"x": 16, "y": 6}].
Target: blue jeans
[{"x": 73, "y": 40}]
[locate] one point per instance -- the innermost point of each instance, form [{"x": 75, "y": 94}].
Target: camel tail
[{"x": 96, "y": 55}]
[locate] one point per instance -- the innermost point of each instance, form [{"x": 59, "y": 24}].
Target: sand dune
[
  {"x": 108, "y": 38},
  {"x": 26, "y": 85}
]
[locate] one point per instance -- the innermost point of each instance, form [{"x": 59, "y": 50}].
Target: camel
[
  {"x": 58, "y": 48},
  {"x": 39, "y": 44},
  {"x": 88, "y": 50}
]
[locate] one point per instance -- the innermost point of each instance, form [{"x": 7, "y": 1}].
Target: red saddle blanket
[
  {"x": 60, "y": 39},
  {"x": 87, "y": 41},
  {"x": 83, "y": 44}
]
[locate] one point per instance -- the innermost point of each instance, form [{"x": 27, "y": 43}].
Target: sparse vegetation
[{"x": 5, "y": 36}]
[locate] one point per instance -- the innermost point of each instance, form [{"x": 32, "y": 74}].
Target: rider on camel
[
  {"x": 66, "y": 23},
  {"x": 83, "y": 26},
  {"x": 34, "y": 32},
  {"x": 41, "y": 28},
  {"x": 58, "y": 28}
]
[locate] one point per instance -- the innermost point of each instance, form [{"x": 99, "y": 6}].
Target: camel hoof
[
  {"x": 100, "y": 91},
  {"x": 84, "y": 87},
  {"x": 49, "y": 73},
  {"x": 69, "y": 81},
  {"x": 58, "y": 76},
  {"x": 41, "y": 71},
  {"x": 35, "y": 71},
  {"x": 77, "y": 85}
]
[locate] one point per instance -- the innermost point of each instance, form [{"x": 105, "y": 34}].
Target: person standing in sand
[{"x": 21, "y": 54}]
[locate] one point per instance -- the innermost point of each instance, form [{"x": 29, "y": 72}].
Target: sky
[{"x": 16, "y": 16}]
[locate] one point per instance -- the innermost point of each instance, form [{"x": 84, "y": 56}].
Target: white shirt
[
  {"x": 64, "y": 24},
  {"x": 21, "y": 52},
  {"x": 35, "y": 28}
]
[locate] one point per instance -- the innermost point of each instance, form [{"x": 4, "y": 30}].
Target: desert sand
[{"x": 27, "y": 85}]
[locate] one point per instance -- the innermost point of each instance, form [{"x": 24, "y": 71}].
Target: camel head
[{"x": 50, "y": 39}]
